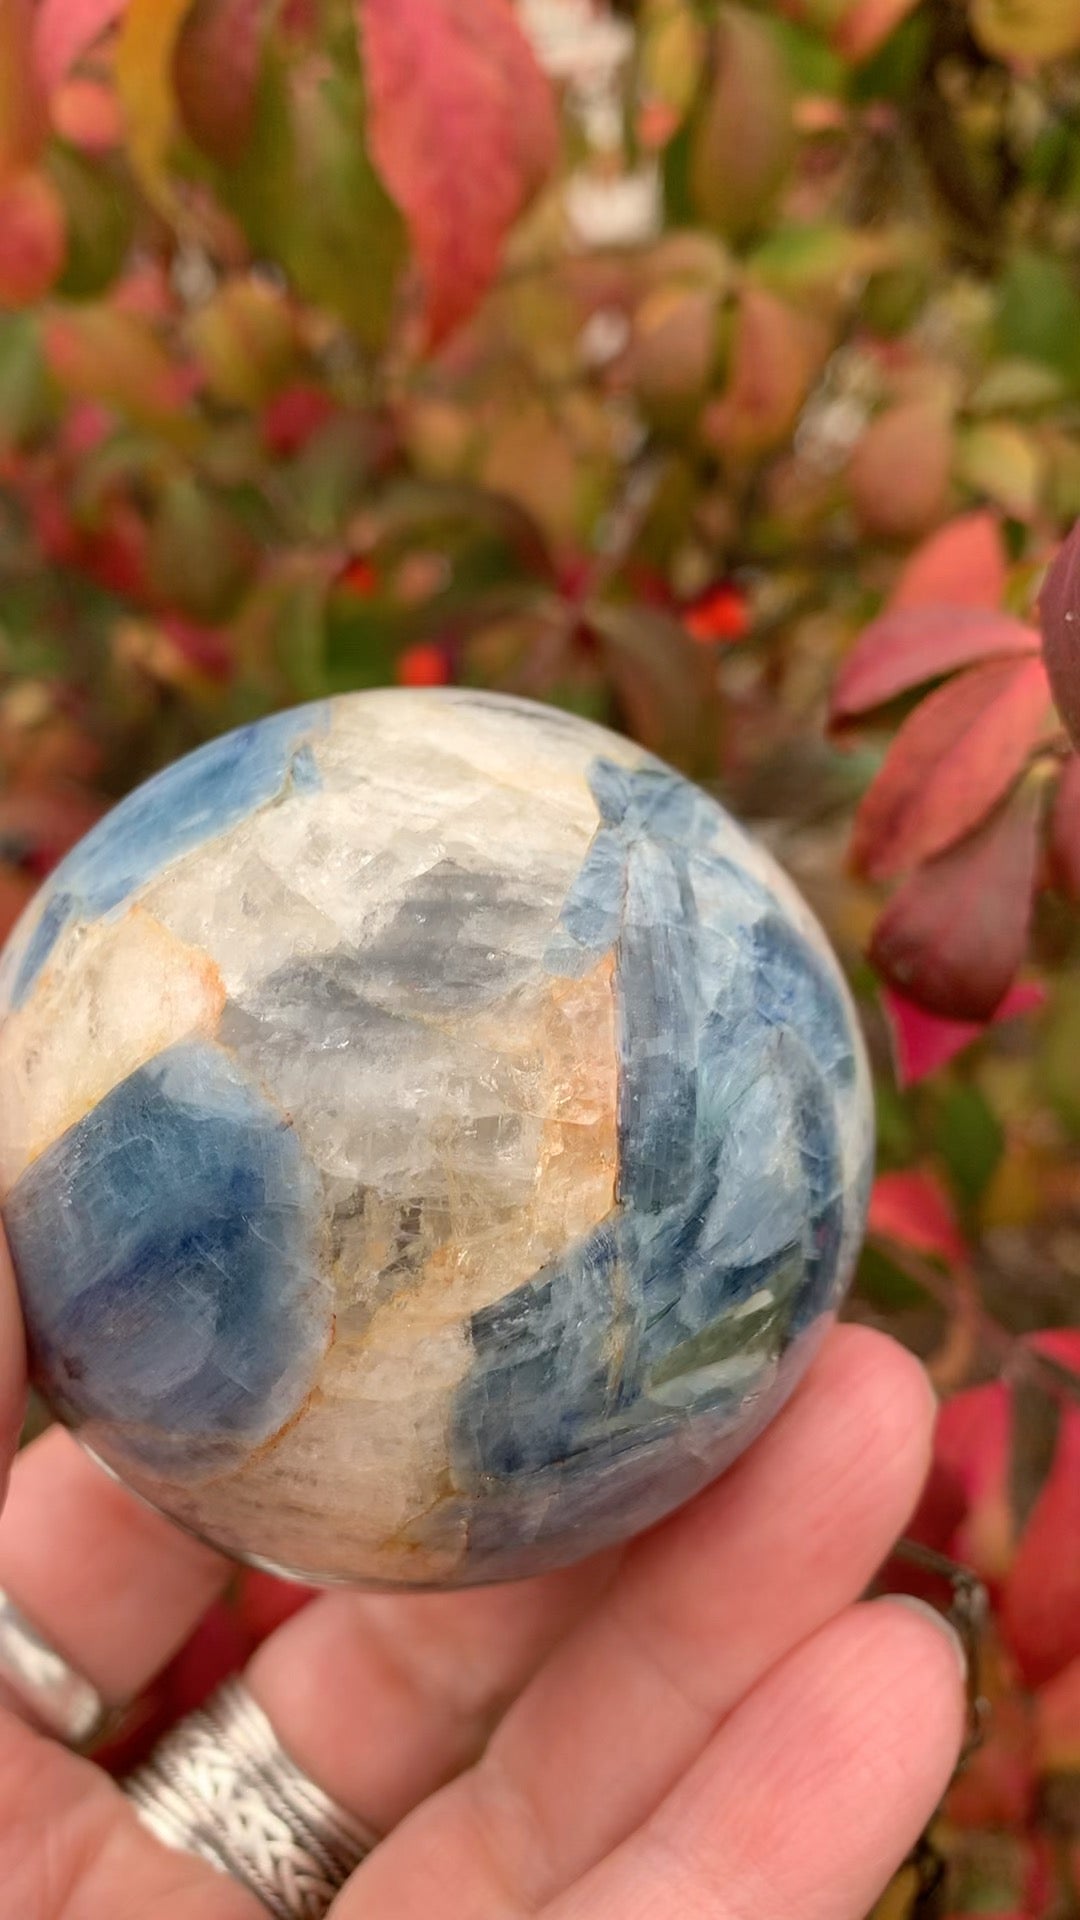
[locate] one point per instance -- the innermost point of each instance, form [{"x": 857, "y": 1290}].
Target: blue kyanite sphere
[{"x": 432, "y": 1139}]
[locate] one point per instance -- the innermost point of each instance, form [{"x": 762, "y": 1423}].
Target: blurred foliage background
[{"x": 712, "y": 370}]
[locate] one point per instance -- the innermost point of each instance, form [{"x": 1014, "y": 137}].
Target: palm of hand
[{"x": 705, "y": 1726}]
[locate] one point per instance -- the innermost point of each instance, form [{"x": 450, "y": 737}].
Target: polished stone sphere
[{"x": 433, "y": 1139}]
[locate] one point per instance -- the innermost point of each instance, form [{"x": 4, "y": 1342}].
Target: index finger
[{"x": 12, "y": 1366}]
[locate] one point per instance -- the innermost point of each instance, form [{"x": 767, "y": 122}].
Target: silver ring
[
  {"x": 59, "y": 1700},
  {"x": 221, "y": 1785}
]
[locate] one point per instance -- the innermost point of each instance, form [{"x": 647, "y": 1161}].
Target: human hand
[{"x": 707, "y": 1725}]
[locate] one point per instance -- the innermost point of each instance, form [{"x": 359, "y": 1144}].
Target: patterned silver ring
[
  {"x": 221, "y": 1785},
  {"x": 54, "y": 1696}
]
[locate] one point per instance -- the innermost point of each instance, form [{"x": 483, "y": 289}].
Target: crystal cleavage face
[{"x": 433, "y": 1138}]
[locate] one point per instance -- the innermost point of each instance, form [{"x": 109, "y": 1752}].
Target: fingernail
[{"x": 926, "y": 1612}]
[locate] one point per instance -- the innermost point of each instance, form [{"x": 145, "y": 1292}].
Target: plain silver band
[
  {"x": 220, "y": 1785},
  {"x": 60, "y": 1701}
]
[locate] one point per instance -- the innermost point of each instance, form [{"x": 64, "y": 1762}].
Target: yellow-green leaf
[
  {"x": 244, "y": 337},
  {"x": 744, "y": 137},
  {"x": 671, "y": 57},
  {"x": 1027, "y": 29},
  {"x": 144, "y": 82},
  {"x": 1002, "y": 462},
  {"x": 101, "y": 353}
]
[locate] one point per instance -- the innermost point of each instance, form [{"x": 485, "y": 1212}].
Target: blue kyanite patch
[
  {"x": 726, "y": 1236},
  {"x": 197, "y": 798},
  {"x": 164, "y": 1259}
]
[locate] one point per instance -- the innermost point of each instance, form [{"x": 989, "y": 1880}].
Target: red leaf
[
  {"x": 951, "y": 762},
  {"x": 1057, "y": 1708},
  {"x": 997, "y": 1788},
  {"x": 462, "y": 131},
  {"x": 908, "y": 645},
  {"x": 293, "y": 417},
  {"x": 955, "y": 934},
  {"x": 1065, "y": 829},
  {"x": 218, "y": 1647},
  {"x": 914, "y": 1210},
  {"x": 64, "y": 31},
  {"x": 16, "y": 890},
  {"x": 264, "y": 1602},
  {"x": 971, "y": 1447},
  {"x": 33, "y": 238},
  {"x": 961, "y": 565},
  {"x": 204, "y": 648},
  {"x": 39, "y": 824},
  {"x": 216, "y": 73},
  {"x": 24, "y": 123},
  {"x": 1059, "y": 607},
  {"x": 923, "y": 1042},
  {"x": 1040, "y": 1610}
]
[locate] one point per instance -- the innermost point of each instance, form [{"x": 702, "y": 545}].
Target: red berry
[
  {"x": 721, "y": 613},
  {"x": 424, "y": 665}
]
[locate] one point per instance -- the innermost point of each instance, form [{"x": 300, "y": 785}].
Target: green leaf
[
  {"x": 896, "y": 69},
  {"x": 1038, "y": 315},
  {"x": 814, "y": 66},
  {"x": 309, "y": 199},
  {"x": 463, "y": 520},
  {"x": 199, "y": 558},
  {"x": 24, "y": 392},
  {"x": 884, "y": 1285},
  {"x": 100, "y": 222},
  {"x": 363, "y": 641},
  {"x": 969, "y": 1139},
  {"x": 318, "y": 490},
  {"x": 300, "y": 634}
]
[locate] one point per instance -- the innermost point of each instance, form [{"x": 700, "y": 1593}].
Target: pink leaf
[
  {"x": 462, "y": 130},
  {"x": 87, "y": 114},
  {"x": 899, "y": 472},
  {"x": 913, "y": 1209},
  {"x": 776, "y": 352},
  {"x": 1059, "y": 606},
  {"x": 910, "y": 644},
  {"x": 953, "y": 937},
  {"x": 868, "y": 23},
  {"x": 33, "y": 238},
  {"x": 961, "y": 565},
  {"x": 924, "y": 1042},
  {"x": 64, "y": 31},
  {"x": 953, "y": 759}
]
